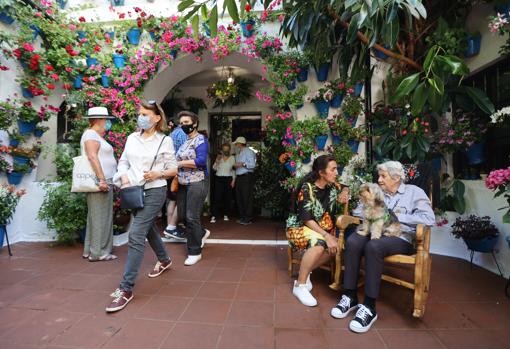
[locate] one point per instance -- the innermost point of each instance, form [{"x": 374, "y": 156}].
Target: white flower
[{"x": 500, "y": 115}]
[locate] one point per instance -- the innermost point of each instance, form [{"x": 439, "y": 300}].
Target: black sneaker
[
  {"x": 364, "y": 319},
  {"x": 175, "y": 234},
  {"x": 344, "y": 307},
  {"x": 245, "y": 222}
]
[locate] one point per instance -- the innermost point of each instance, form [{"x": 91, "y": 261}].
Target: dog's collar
[{"x": 386, "y": 217}]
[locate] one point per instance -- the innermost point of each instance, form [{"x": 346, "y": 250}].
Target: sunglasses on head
[{"x": 151, "y": 102}]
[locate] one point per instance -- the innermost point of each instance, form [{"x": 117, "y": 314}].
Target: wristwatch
[{"x": 244, "y": 164}]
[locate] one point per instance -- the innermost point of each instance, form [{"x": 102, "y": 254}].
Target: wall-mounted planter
[
  {"x": 62, "y": 4},
  {"x": 119, "y": 60},
  {"x": 475, "y": 153},
  {"x": 322, "y": 72},
  {"x": 20, "y": 160},
  {"x": 5, "y": 18},
  {"x": 118, "y": 2},
  {"x": 91, "y": 61},
  {"x": 336, "y": 102},
  {"x": 13, "y": 142},
  {"x": 25, "y": 128},
  {"x": 291, "y": 85},
  {"x": 321, "y": 141},
  {"x": 336, "y": 139},
  {"x": 322, "y": 108},
  {"x": 133, "y": 36},
  {"x": 358, "y": 88},
  {"x": 105, "y": 82},
  {"x": 354, "y": 145},
  {"x": 81, "y": 34},
  {"x": 26, "y": 93},
  {"x": 78, "y": 82},
  {"x": 248, "y": 28},
  {"x": 303, "y": 74},
  {"x": 15, "y": 178},
  {"x": 473, "y": 46}
]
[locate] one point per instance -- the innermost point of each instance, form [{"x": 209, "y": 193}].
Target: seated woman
[
  {"x": 311, "y": 225},
  {"x": 412, "y": 207}
]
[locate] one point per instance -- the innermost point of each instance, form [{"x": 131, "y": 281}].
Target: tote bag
[{"x": 84, "y": 177}]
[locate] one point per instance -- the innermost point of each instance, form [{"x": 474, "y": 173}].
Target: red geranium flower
[
  {"x": 48, "y": 67},
  {"x": 249, "y": 27},
  {"x": 3, "y": 67},
  {"x": 50, "y": 86},
  {"x": 247, "y": 8},
  {"x": 82, "y": 19},
  {"x": 97, "y": 48}
]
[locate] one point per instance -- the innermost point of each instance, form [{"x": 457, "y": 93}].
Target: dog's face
[{"x": 370, "y": 194}]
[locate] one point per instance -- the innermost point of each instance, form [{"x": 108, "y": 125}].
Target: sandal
[{"x": 106, "y": 258}]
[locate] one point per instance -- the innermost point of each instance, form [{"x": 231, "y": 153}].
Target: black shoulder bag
[{"x": 132, "y": 198}]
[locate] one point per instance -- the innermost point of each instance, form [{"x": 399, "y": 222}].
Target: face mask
[
  {"x": 226, "y": 152},
  {"x": 144, "y": 122},
  {"x": 187, "y": 128},
  {"x": 107, "y": 125}
]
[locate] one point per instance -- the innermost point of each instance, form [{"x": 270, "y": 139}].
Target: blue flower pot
[
  {"x": 91, "y": 61},
  {"x": 26, "y": 93},
  {"x": 358, "y": 88},
  {"x": 38, "y": 133},
  {"x": 336, "y": 102},
  {"x": 303, "y": 74},
  {"x": 133, "y": 36},
  {"x": 322, "y": 108},
  {"x": 62, "y": 4},
  {"x": 350, "y": 119},
  {"x": 13, "y": 143},
  {"x": 354, "y": 146},
  {"x": 473, "y": 46},
  {"x": 475, "y": 153},
  {"x": 3, "y": 231},
  {"x": 321, "y": 141},
  {"x": 336, "y": 139},
  {"x": 299, "y": 106},
  {"x": 105, "y": 82},
  {"x": 173, "y": 54},
  {"x": 119, "y": 60},
  {"x": 26, "y": 127},
  {"x": 118, "y": 2},
  {"x": 307, "y": 160},
  {"x": 380, "y": 55},
  {"x": 481, "y": 245},
  {"x": 339, "y": 169},
  {"x": 290, "y": 168},
  {"x": 111, "y": 34},
  {"x": 291, "y": 85},
  {"x": 14, "y": 178},
  {"x": 154, "y": 36},
  {"x": 81, "y": 34},
  {"x": 292, "y": 141},
  {"x": 35, "y": 31},
  {"x": 5, "y": 18},
  {"x": 322, "y": 72},
  {"x": 78, "y": 83},
  {"x": 20, "y": 160},
  {"x": 244, "y": 26}
]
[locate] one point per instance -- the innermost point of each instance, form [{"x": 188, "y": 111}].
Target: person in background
[
  {"x": 178, "y": 136},
  {"x": 145, "y": 148},
  {"x": 99, "y": 235},
  {"x": 193, "y": 186},
  {"x": 411, "y": 206},
  {"x": 245, "y": 164},
  {"x": 224, "y": 182}
]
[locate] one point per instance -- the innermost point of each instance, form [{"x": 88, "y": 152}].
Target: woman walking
[
  {"x": 99, "y": 234},
  {"x": 224, "y": 181},
  {"x": 148, "y": 159}
]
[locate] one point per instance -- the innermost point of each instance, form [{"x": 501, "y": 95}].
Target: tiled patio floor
[{"x": 238, "y": 296}]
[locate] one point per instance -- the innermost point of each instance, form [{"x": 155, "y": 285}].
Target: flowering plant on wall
[
  {"x": 266, "y": 46},
  {"x": 276, "y": 126},
  {"x": 228, "y": 40},
  {"x": 499, "y": 181},
  {"x": 9, "y": 198},
  {"x": 284, "y": 68},
  {"x": 460, "y": 133},
  {"x": 502, "y": 116},
  {"x": 499, "y": 24},
  {"x": 325, "y": 93}
]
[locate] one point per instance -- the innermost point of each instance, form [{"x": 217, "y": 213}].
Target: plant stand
[
  {"x": 3, "y": 230},
  {"x": 493, "y": 256}
]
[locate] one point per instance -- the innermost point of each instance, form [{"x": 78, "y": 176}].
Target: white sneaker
[
  {"x": 206, "y": 236},
  {"x": 308, "y": 283},
  {"x": 363, "y": 320},
  {"x": 192, "y": 259},
  {"x": 304, "y": 296},
  {"x": 213, "y": 219},
  {"x": 225, "y": 218}
]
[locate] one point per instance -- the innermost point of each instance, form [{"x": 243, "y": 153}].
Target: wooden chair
[{"x": 421, "y": 261}]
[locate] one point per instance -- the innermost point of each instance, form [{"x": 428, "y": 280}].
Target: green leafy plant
[
  {"x": 451, "y": 39},
  {"x": 224, "y": 92},
  {"x": 15, "y": 136},
  {"x": 352, "y": 105},
  {"x": 195, "y": 104},
  {"x": 451, "y": 196},
  {"x": 276, "y": 127},
  {"x": 314, "y": 126},
  {"x": 7, "y": 114},
  {"x": 342, "y": 153},
  {"x": 9, "y": 198},
  {"x": 284, "y": 98}
]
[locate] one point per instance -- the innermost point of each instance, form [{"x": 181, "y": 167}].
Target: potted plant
[
  {"x": 248, "y": 21},
  {"x": 289, "y": 99},
  {"x": 339, "y": 90},
  {"x": 27, "y": 118},
  {"x": 276, "y": 126},
  {"x": 499, "y": 181},
  {"x": 7, "y": 114},
  {"x": 9, "y": 198},
  {"x": 266, "y": 46},
  {"x": 16, "y": 172},
  {"x": 39, "y": 130},
  {"x": 451, "y": 39},
  {"x": 355, "y": 136},
  {"x": 316, "y": 128},
  {"x": 479, "y": 233},
  {"x": 474, "y": 41},
  {"x": 321, "y": 98},
  {"x": 304, "y": 64},
  {"x": 352, "y": 106},
  {"x": 195, "y": 104},
  {"x": 342, "y": 154},
  {"x": 15, "y": 138},
  {"x": 7, "y": 11},
  {"x": 284, "y": 69}
]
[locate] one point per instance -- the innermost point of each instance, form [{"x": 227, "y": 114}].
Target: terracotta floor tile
[
  {"x": 14, "y": 317},
  {"x": 163, "y": 308},
  {"x": 445, "y": 316},
  {"x": 180, "y": 288},
  {"x": 213, "y": 311},
  {"x": 395, "y": 316},
  {"x": 490, "y": 315},
  {"x": 296, "y": 315},
  {"x": 400, "y": 339},
  {"x": 474, "y": 339},
  {"x": 130, "y": 311},
  {"x": 226, "y": 274},
  {"x": 299, "y": 338},
  {"x": 218, "y": 290},
  {"x": 251, "y": 313},
  {"x": 10, "y": 294},
  {"x": 17, "y": 345},
  {"x": 195, "y": 272},
  {"x": 252, "y": 291},
  {"x": 188, "y": 335},
  {"x": 90, "y": 332},
  {"x": 234, "y": 337},
  {"x": 86, "y": 302},
  {"x": 231, "y": 262},
  {"x": 11, "y": 276},
  {"x": 46, "y": 280},
  {"x": 345, "y": 338},
  {"x": 140, "y": 333},
  {"x": 77, "y": 281},
  {"x": 43, "y": 299},
  {"x": 265, "y": 276}
]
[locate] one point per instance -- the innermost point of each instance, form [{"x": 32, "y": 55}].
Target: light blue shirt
[
  {"x": 249, "y": 158},
  {"x": 411, "y": 206}
]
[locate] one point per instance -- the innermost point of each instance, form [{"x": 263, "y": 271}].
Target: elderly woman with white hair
[{"x": 412, "y": 207}]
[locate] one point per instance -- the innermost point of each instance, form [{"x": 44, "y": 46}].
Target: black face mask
[
  {"x": 187, "y": 128},
  {"x": 226, "y": 152}
]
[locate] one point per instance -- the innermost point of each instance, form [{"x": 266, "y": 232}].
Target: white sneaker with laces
[
  {"x": 213, "y": 219},
  {"x": 225, "y": 218},
  {"x": 192, "y": 259},
  {"x": 206, "y": 236},
  {"x": 363, "y": 320},
  {"x": 305, "y": 297}
]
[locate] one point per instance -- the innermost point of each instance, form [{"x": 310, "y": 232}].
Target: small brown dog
[{"x": 377, "y": 219}]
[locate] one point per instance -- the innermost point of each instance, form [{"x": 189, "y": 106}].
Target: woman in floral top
[{"x": 311, "y": 225}]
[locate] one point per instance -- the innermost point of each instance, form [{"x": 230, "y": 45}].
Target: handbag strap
[{"x": 155, "y": 157}]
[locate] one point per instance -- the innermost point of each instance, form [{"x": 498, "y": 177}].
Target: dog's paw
[{"x": 362, "y": 232}]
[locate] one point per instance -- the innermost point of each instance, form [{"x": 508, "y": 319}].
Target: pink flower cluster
[
  {"x": 498, "y": 178},
  {"x": 262, "y": 97},
  {"x": 118, "y": 141}
]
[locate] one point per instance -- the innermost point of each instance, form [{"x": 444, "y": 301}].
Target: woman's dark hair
[
  {"x": 189, "y": 114},
  {"x": 319, "y": 164}
]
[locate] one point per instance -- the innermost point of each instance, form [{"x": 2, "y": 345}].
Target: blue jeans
[
  {"x": 190, "y": 201},
  {"x": 144, "y": 227}
]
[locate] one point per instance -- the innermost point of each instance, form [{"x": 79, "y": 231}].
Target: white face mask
[{"x": 144, "y": 122}]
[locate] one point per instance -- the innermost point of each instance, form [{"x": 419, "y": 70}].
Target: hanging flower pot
[
  {"x": 13, "y": 142},
  {"x": 78, "y": 83},
  {"x": 354, "y": 145},
  {"x": 26, "y": 93},
  {"x": 336, "y": 139},
  {"x": 35, "y": 31},
  {"x": 118, "y": 2},
  {"x": 303, "y": 74},
  {"x": 154, "y": 36},
  {"x": 323, "y": 108},
  {"x": 105, "y": 82},
  {"x": 81, "y": 34},
  {"x": 14, "y": 178},
  {"x": 173, "y": 54},
  {"x": 133, "y": 36},
  {"x": 321, "y": 141},
  {"x": 352, "y": 121},
  {"x": 291, "y": 85},
  {"x": 381, "y": 55},
  {"x": 91, "y": 61},
  {"x": 290, "y": 141},
  {"x": 358, "y": 88},
  {"x": 475, "y": 153},
  {"x": 38, "y": 132},
  {"x": 248, "y": 28},
  {"x": 5, "y": 18},
  {"x": 26, "y": 127},
  {"x": 336, "y": 102},
  {"x": 307, "y": 160},
  {"x": 3, "y": 231},
  {"x": 322, "y": 72},
  {"x": 20, "y": 160},
  {"x": 119, "y": 60},
  {"x": 486, "y": 244},
  {"x": 62, "y": 3},
  {"x": 291, "y": 166},
  {"x": 473, "y": 46}
]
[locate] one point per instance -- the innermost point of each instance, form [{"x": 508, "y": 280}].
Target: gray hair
[{"x": 394, "y": 169}]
